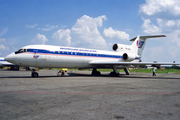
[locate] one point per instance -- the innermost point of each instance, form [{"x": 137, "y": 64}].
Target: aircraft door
[{"x": 43, "y": 58}]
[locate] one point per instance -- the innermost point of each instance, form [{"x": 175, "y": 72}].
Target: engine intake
[
  {"x": 129, "y": 56},
  {"x": 125, "y": 56},
  {"x": 115, "y": 47},
  {"x": 121, "y": 48}
]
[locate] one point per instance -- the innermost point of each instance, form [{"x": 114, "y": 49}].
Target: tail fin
[{"x": 139, "y": 42}]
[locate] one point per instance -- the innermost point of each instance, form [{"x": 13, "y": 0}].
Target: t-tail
[{"x": 133, "y": 51}]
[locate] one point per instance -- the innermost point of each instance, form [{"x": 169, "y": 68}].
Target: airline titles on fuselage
[{"x": 76, "y": 49}]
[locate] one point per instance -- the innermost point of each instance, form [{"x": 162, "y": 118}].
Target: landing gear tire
[
  {"x": 113, "y": 74},
  {"x": 95, "y": 72},
  {"x": 34, "y": 74}
]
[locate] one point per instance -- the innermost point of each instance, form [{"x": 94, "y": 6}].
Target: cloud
[
  {"x": 166, "y": 12},
  {"x": 48, "y": 28},
  {"x": 170, "y": 23},
  {"x": 171, "y": 44},
  {"x": 31, "y": 26},
  {"x": 162, "y": 17},
  {"x": 160, "y": 7},
  {"x": 173, "y": 52},
  {"x": 39, "y": 39},
  {"x": 4, "y": 31},
  {"x": 154, "y": 54},
  {"x": 63, "y": 37},
  {"x": 168, "y": 26},
  {"x": 150, "y": 28},
  {"x": 174, "y": 37},
  {"x": 2, "y": 47},
  {"x": 2, "y": 39},
  {"x": 111, "y": 33},
  {"x": 85, "y": 32}
]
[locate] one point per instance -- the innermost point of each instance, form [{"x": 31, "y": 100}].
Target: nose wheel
[{"x": 34, "y": 73}]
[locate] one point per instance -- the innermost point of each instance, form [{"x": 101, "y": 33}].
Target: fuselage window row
[{"x": 66, "y": 53}]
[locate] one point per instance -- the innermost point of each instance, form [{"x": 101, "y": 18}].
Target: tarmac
[{"x": 80, "y": 96}]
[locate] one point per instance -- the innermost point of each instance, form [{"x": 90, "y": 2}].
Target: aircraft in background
[
  {"x": 48, "y": 56},
  {"x": 4, "y": 63}
]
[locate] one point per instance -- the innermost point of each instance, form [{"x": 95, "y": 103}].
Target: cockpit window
[{"x": 21, "y": 51}]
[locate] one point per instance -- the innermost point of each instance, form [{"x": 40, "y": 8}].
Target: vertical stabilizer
[
  {"x": 138, "y": 46},
  {"x": 139, "y": 43}
]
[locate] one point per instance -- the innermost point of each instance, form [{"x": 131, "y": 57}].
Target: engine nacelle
[
  {"x": 129, "y": 57},
  {"x": 121, "y": 48},
  {"x": 127, "y": 50}
]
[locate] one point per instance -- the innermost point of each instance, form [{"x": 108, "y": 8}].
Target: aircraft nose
[{"x": 10, "y": 58}]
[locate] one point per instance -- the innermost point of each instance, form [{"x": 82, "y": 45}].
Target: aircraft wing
[{"x": 129, "y": 63}]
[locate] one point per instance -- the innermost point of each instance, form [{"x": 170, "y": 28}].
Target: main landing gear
[
  {"x": 115, "y": 72},
  {"x": 34, "y": 73},
  {"x": 95, "y": 72},
  {"x": 126, "y": 71}
]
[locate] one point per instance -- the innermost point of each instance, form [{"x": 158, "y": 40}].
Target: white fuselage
[{"x": 62, "y": 57}]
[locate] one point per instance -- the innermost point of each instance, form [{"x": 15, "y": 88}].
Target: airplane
[
  {"x": 49, "y": 56},
  {"x": 4, "y": 63}
]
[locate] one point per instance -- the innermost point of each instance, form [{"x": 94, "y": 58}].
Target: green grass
[
  {"x": 141, "y": 70},
  {"x": 157, "y": 70}
]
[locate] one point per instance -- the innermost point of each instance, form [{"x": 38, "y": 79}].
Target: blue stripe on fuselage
[{"x": 75, "y": 53}]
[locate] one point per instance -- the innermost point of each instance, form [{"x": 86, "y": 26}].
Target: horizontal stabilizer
[{"x": 145, "y": 37}]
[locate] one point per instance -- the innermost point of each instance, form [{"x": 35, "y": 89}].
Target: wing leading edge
[{"x": 130, "y": 63}]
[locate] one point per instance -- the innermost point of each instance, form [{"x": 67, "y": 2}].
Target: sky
[{"x": 93, "y": 24}]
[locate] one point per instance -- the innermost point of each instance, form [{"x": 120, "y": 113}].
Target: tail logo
[{"x": 139, "y": 44}]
